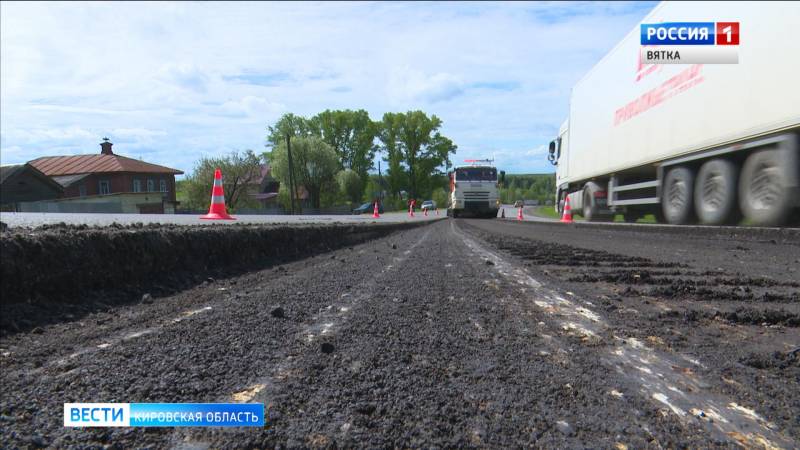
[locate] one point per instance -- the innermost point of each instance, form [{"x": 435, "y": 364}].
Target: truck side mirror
[{"x": 552, "y": 153}]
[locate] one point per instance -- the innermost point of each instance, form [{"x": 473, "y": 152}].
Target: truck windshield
[{"x": 476, "y": 174}]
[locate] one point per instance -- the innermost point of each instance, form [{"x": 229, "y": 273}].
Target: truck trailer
[{"x": 707, "y": 143}]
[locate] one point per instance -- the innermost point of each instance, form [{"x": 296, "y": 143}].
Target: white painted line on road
[
  {"x": 190, "y": 314},
  {"x": 125, "y": 337},
  {"x": 138, "y": 334},
  {"x": 665, "y": 400}
]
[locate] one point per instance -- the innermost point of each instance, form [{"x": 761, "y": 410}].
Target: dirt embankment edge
[{"x": 68, "y": 263}]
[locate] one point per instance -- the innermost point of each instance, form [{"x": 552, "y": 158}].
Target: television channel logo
[
  {"x": 163, "y": 415},
  {"x": 690, "y": 43}
]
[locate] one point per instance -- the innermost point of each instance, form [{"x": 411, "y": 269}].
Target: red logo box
[{"x": 727, "y": 33}]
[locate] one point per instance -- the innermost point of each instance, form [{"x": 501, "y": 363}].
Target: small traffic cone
[
  {"x": 567, "y": 216},
  {"x": 519, "y": 214},
  {"x": 217, "y": 209},
  {"x": 375, "y": 214}
]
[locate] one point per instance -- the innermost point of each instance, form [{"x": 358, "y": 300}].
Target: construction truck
[
  {"x": 690, "y": 143},
  {"x": 474, "y": 189}
]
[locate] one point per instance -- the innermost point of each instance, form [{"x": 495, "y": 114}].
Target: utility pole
[
  {"x": 380, "y": 182},
  {"x": 292, "y": 188}
]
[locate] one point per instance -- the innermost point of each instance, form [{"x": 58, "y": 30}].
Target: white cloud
[
  {"x": 540, "y": 150},
  {"x": 252, "y": 107},
  {"x": 178, "y": 80},
  {"x": 413, "y": 85},
  {"x": 185, "y": 76},
  {"x": 137, "y": 133}
]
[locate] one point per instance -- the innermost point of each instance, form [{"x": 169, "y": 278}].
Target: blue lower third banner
[{"x": 163, "y": 415}]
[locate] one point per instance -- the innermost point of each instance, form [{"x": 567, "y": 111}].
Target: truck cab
[{"x": 474, "y": 190}]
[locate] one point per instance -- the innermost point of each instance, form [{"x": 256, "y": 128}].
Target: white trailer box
[{"x": 626, "y": 115}]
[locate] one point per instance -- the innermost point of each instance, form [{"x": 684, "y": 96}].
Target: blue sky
[{"x": 171, "y": 82}]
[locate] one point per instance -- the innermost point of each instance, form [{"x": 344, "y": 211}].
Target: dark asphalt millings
[
  {"x": 739, "y": 323},
  {"x": 408, "y": 340}
]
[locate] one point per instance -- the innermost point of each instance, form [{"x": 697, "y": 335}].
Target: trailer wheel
[
  {"x": 588, "y": 210},
  {"x": 715, "y": 193},
  {"x": 676, "y": 201},
  {"x": 763, "y": 194}
]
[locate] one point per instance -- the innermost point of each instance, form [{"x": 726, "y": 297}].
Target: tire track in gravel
[
  {"x": 683, "y": 392},
  {"x": 321, "y": 328}
]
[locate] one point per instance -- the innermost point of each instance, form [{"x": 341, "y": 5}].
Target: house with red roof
[{"x": 118, "y": 183}]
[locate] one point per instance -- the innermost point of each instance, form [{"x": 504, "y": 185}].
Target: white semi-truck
[
  {"x": 691, "y": 143},
  {"x": 474, "y": 190}
]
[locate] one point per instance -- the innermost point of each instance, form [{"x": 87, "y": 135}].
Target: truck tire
[
  {"x": 763, "y": 193},
  {"x": 715, "y": 193},
  {"x": 676, "y": 200}
]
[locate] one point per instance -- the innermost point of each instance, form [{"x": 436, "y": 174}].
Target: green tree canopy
[
  {"x": 288, "y": 124},
  {"x": 413, "y": 145},
  {"x": 238, "y": 170},
  {"x": 350, "y": 185},
  {"x": 315, "y": 165},
  {"x": 352, "y": 136},
  {"x": 424, "y": 148},
  {"x": 389, "y": 135}
]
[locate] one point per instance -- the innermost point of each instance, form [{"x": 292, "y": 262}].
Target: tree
[
  {"x": 350, "y": 185},
  {"x": 373, "y": 191},
  {"x": 424, "y": 149},
  {"x": 238, "y": 170},
  {"x": 352, "y": 136},
  {"x": 440, "y": 197},
  {"x": 389, "y": 135},
  {"x": 288, "y": 124},
  {"x": 315, "y": 165}
]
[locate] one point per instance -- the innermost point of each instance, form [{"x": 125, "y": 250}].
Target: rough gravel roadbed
[{"x": 462, "y": 333}]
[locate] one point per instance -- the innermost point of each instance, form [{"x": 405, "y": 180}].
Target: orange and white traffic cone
[
  {"x": 217, "y": 209},
  {"x": 567, "y": 216},
  {"x": 375, "y": 211},
  {"x": 519, "y": 214}
]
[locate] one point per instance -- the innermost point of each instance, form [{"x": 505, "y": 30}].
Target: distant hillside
[{"x": 535, "y": 186}]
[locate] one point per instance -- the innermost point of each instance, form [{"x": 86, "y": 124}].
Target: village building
[
  {"x": 105, "y": 182},
  {"x": 24, "y": 183}
]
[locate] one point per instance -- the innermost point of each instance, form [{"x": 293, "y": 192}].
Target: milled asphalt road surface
[{"x": 462, "y": 333}]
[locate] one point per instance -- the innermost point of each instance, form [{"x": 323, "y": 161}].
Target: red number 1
[{"x": 727, "y": 33}]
